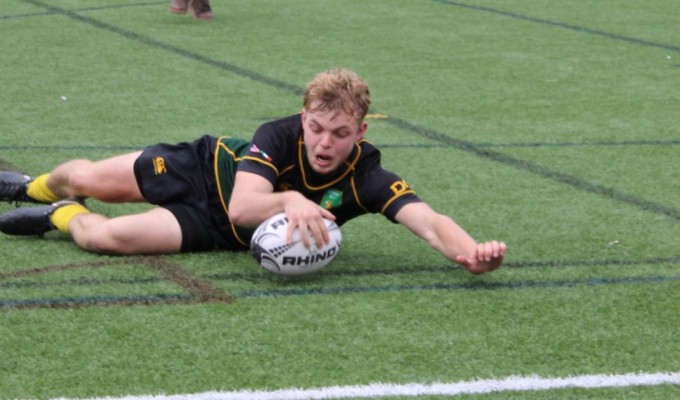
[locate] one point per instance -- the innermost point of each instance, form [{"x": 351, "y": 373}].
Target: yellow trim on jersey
[
  {"x": 270, "y": 165},
  {"x": 356, "y": 194},
  {"x": 288, "y": 168},
  {"x": 390, "y": 201},
  {"x": 219, "y": 187},
  {"x": 350, "y": 166},
  {"x": 227, "y": 149}
]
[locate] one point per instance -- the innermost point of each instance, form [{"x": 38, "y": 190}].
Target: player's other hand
[{"x": 487, "y": 257}]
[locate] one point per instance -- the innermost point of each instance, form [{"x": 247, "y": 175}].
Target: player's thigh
[
  {"x": 156, "y": 231},
  {"x": 112, "y": 179}
]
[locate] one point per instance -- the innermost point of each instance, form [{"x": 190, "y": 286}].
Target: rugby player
[{"x": 211, "y": 193}]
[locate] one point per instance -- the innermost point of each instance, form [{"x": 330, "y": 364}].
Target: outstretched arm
[{"x": 444, "y": 235}]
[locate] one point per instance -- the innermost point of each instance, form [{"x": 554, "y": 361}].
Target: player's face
[{"x": 330, "y": 138}]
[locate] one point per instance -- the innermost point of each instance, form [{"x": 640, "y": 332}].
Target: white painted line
[{"x": 512, "y": 383}]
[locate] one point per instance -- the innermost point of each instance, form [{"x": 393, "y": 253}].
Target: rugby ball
[{"x": 269, "y": 248}]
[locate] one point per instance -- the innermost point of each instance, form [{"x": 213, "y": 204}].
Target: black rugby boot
[
  {"x": 13, "y": 187},
  {"x": 29, "y": 221}
]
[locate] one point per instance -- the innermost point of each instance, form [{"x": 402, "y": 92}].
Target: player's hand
[
  {"x": 308, "y": 216},
  {"x": 487, "y": 257}
]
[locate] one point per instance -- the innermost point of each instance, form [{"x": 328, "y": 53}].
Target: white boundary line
[{"x": 511, "y": 383}]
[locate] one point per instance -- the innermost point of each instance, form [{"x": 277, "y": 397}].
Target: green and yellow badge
[{"x": 331, "y": 199}]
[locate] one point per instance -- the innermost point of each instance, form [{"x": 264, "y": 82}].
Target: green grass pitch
[{"x": 550, "y": 125}]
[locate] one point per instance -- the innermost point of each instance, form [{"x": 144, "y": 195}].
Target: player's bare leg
[
  {"x": 153, "y": 232},
  {"x": 109, "y": 180}
]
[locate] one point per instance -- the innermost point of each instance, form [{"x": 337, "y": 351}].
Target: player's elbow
[{"x": 238, "y": 214}]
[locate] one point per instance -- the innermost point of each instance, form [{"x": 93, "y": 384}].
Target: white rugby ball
[{"x": 269, "y": 248}]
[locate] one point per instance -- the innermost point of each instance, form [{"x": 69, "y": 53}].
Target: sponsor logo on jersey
[
  {"x": 159, "y": 166},
  {"x": 400, "y": 187}
]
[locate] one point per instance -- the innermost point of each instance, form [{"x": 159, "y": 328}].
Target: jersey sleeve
[
  {"x": 381, "y": 191},
  {"x": 269, "y": 152}
]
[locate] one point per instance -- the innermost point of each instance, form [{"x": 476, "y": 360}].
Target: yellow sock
[
  {"x": 38, "y": 190},
  {"x": 63, "y": 215}
]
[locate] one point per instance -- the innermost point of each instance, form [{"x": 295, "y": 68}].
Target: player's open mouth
[{"x": 323, "y": 160}]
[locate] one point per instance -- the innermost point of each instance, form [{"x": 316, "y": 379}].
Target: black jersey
[{"x": 277, "y": 153}]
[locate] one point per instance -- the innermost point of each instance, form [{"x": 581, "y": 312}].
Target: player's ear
[{"x": 362, "y": 129}]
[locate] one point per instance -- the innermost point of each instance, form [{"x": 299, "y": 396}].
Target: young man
[{"x": 213, "y": 192}]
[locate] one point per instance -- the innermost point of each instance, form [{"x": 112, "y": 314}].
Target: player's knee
[
  {"x": 81, "y": 179},
  {"x": 108, "y": 240},
  {"x": 101, "y": 244}
]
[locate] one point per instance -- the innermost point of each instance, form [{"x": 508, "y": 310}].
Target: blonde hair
[{"x": 338, "y": 89}]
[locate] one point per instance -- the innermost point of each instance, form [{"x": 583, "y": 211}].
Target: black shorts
[{"x": 181, "y": 179}]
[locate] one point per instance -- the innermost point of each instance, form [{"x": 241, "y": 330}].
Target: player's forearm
[
  {"x": 253, "y": 208},
  {"x": 451, "y": 240}
]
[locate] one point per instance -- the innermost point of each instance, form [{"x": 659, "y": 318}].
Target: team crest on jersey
[
  {"x": 255, "y": 149},
  {"x": 331, "y": 199}
]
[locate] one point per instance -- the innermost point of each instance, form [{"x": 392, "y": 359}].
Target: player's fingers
[
  {"x": 494, "y": 251},
  {"x": 501, "y": 249},
  {"x": 295, "y": 221},
  {"x": 320, "y": 232},
  {"x": 291, "y": 228},
  {"x": 304, "y": 233},
  {"x": 327, "y": 214},
  {"x": 489, "y": 250},
  {"x": 497, "y": 249},
  {"x": 485, "y": 251}
]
